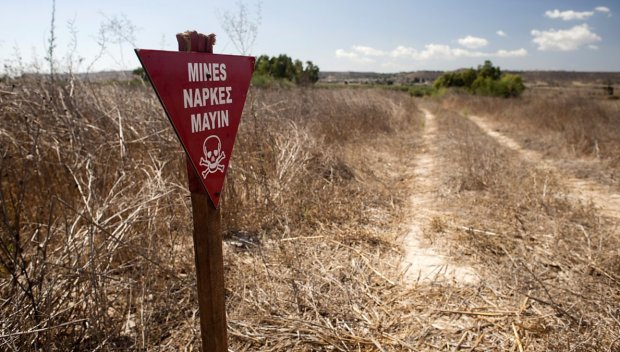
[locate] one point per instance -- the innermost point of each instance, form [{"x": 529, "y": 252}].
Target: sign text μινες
[{"x": 207, "y": 96}]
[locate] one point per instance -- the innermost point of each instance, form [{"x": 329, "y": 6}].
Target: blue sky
[{"x": 337, "y": 35}]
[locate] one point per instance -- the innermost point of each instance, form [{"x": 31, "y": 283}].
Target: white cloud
[
  {"x": 602, "y": 9},
  {"x": 565, "y": 40},
  {"x": 439, "y": 51},
  {"x": 569, "y": 15},
  {"x": 353, "y": 56},
  {"x": 363, "y": 54},
  {"x": 511, "y": 53},
  {"x": 368, "y": 51},
  {"x": 402, "y": 51},
  {"x": 501, "y": 33},
  {"x": 593, "y": 47},
  {"x": 472, "y": 42},
  {"x": 344, "y": 54},
  {"x": 433, "y": 51}
]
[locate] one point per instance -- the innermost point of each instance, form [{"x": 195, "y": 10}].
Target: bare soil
[{"x": 424, "y": 261}]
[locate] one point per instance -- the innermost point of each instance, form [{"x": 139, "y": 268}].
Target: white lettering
[
  {"x": 224, "y": 115},
  {"x": 213, "y": 115},
  {"x": 187, "y": 99},
  {"x": 228, "y": 95},
  {"x": 221, "y": 97},
  {"x": 192, "y": 70},
  {"x": 205, "y": 96},
  {"x": 223, "y": 72},
  {"x": 206, "y": 72},
  {"x": 196, "y": 123},
  {"x": 213, "y": 94},
  {"x": 209, "y": 120},
  {"x": 216, "y": 72},
  {"x": 205, "y": 122},
  {"x": 197, "y": 98}
]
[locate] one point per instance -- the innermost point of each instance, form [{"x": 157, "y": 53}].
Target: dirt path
[
  {"x": 603, "y": 197},
  {"x": 421, "y": 261}
]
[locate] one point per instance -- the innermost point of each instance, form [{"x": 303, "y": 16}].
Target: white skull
[{"x": 212, "y": 155}]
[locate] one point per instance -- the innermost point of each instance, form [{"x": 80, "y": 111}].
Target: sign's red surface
[{"x": 203, "y": 95}]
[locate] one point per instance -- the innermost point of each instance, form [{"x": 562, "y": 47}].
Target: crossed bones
[{"x": 212, "y": 167}]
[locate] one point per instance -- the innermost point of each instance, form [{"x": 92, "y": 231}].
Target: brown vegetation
[
  {"x": 549, "y": 260},
  {"x": 577, "y": 130},
  {"x": 96, "y": 237},
  {"x": 95, "y": 234}
]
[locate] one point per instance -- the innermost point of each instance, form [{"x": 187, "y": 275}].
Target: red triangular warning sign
[{"x": 203, "y": 95}]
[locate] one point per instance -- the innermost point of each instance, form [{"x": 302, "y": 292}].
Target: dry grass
[
  {"x": 96, "y": 238},
  {"x": 549, "y": 260},
  {"x": 324, "y": 217},
  {"x": 582, "y": 130}
]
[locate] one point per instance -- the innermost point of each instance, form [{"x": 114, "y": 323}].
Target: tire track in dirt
[
  {"x": 604, "y": 198},
  {"x": 421, "y": 262}
]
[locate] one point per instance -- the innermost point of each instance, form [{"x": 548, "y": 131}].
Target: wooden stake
[{"x": 207, "y": 237}]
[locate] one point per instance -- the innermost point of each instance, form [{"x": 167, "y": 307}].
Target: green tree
[
  {"x": 263, "y": 65},
  {"x": 489, "y": 71},
  {"x": 310, "y": 74},
  {"x": 299, "y": 71},
  {"x": 486, "y": 80},
  {"x": 283, "y": 67}
]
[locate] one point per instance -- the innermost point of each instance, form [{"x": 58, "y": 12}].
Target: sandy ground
[{"x": 423, "y": 262}]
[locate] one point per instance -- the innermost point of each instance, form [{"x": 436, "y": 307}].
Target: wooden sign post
[
  {"x": 207, "y": 238},
  {"x": 203, "y": 95}
]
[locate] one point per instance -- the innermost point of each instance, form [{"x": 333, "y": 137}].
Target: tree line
[
  {"x": 269, "y": 69},
  {"x": 284, "y": 67},
  {"x": 485, "y": 80}
]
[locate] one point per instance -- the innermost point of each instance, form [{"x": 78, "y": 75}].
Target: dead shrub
[{"x": 95, "y": 241}]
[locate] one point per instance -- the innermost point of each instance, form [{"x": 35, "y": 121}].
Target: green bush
[
  {"x": 482, "y": 86},
  {"x": 421, "y": 91},
  {"x": 486, "y": 80},
  {"x": 267, "y": 81},
  {"x": 261, "y": 80},
  {"x": 512, "y": 85}
]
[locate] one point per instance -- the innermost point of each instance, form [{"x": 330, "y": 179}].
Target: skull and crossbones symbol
[{"x": 213, "y": 156}]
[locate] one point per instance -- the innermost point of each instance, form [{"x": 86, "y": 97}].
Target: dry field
[
  {"x": 327, "y": 190},
  {"x": 577, "y": 131}
]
